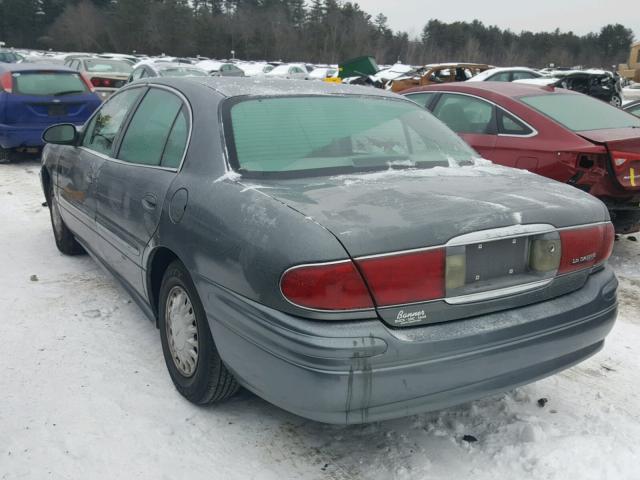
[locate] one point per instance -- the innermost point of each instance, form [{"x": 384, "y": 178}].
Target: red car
[{"x": 563, "y": 135}]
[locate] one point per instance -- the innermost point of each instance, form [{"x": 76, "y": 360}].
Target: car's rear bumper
[
  {"x": 17, "y": 136},
  {"x": 354, "y": 372}
]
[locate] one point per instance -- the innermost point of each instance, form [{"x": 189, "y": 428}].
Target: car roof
[
  {"x": 243, "y": 86},
  {"x": 26, "y": 67},
  {"x": 497, "y": 89}
]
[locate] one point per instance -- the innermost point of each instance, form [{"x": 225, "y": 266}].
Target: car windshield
[
  {"x": 8, "y": 57},
  {"x": 580, "y": 113},
  {"x": 182, "y": 72},
  {"x": 324, "y": 135},
  {"x": 107, "y": 66},
  {"x": 48, "y": 83}
]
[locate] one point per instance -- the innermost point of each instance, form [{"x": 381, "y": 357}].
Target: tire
[
  {"x": 65, "y": 241},
  {"x": 616, "y": 101},
  {"x": 5, "y": 155},
  {"x": 203, "y": 379}
]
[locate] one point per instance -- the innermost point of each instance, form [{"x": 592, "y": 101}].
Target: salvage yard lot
[{"x": 85, "y": 393}]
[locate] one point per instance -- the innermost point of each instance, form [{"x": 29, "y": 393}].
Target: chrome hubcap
[{"x": 182, "y": 332}]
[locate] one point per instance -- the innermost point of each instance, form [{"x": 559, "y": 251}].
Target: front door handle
[{"x": 149, "y": 201}]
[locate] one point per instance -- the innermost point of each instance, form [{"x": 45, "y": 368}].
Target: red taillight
[
  {"x": 6, "y": 82},
  {"x": 102, "y": 82},
  {"x": 585, "y": 247},
  {"x": 627, "y": 168},
  {"x": 332, "y": 286},
  {"x": 405, "y": 278}
]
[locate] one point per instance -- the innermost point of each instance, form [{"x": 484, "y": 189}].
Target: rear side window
[
  {"x": 104, "y": 127},
  {"x": 579, "y": 112},
  {"x": 147, "y": 134},
  {"x": 524, "y": 75},
  {"x": 48, "y": 83},
  {"x": 465, "y": 114},
  {"x": 509, "y": 125}
]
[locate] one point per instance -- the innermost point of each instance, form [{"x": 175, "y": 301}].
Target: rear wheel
[
  {"x": 189, "y": 351},
  {"x": 65, "y": 241}
]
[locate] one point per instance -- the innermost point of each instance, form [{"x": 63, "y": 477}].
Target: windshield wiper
[
  {"x": 381, "y": 161},
  {"x": 67, "y": 92}
]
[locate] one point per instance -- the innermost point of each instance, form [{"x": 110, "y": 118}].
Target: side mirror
[{"x": 62, "y": 134}]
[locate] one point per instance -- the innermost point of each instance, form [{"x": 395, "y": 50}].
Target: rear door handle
[{"x": 149, "y": 201}]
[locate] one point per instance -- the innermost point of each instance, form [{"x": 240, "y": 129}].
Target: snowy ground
[{"x": 84, "y": 393}]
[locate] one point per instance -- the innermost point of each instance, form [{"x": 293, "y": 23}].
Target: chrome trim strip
[
  {"x": 502, "y": 233},
  {"x": 502, "y": 292}
]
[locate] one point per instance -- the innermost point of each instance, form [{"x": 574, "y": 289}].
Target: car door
[
  {"x": 473, "y": 118},
  {"x": 132, "y": 186},
  {"x": 78, "y": 167}
]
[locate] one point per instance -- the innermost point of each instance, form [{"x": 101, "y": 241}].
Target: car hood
[{"x": 397, "y": 210}]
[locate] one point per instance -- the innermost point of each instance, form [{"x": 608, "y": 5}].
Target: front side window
[
  {"x": 146, "y": 136},
  {"x": 501, "y": 77},
  {"x": 103, "y": 129},
  {"x": 325, "y": 135},
  {"x": 579, "y": 112},
  {"x": 48, "y": 83},
  {"x": 465, "y": 114},
  {"x": 423, "y": 98}
]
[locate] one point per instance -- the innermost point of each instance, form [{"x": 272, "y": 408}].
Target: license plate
[
  {"x": 57, "y": 110},
  {"x": 500, "y": 258}
]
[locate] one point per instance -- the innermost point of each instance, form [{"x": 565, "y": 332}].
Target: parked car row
[{"x": 338, "y": 250}]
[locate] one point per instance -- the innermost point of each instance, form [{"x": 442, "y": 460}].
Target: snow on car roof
[
  {"x": 265, "y": 86},
  {"x": 487, "y": 73}
]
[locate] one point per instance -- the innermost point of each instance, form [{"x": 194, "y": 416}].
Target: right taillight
[
  {"x": 585, "y": 247},
  {"x": 6, "y": 82},
  {"x": 627, "y": 168}
]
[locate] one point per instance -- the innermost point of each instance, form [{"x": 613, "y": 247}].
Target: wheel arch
[{"x": 159, "y": 259}]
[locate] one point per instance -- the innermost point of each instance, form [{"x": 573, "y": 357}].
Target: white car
[
  {"x": 255, "y": 69},
  {"x": 321, "y": 73},
  {"x": 296, "y": 71},
  {"x": 508, "y": 74},
  {"x": 632, "y": 92}
]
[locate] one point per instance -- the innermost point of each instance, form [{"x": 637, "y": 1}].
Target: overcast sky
[{"x": 579, "y": 16}]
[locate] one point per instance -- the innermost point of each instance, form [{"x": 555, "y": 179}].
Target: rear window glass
[
  {"x": 48, "y": 83},
  {"x": 182, "y": 72},
  {"x": 320, "y": 134},
  {"x": 579, "y": 112},
  {"x": 103, "y": 66}
]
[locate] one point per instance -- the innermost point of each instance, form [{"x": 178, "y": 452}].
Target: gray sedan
[{"x": 334, "y": 249}]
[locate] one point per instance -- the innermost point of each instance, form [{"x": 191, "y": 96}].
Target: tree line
[{"x": 319, "y": 31}]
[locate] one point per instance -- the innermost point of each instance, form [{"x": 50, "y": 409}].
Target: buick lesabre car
[{"x": 334, "y": 249}]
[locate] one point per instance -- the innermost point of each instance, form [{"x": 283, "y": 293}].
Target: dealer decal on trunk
[{"x": 407, "y": 318}]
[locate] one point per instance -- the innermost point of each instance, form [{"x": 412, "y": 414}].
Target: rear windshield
[
  {"x": 580, "y": 113},
  {"x": 182, "y": 72},
  {"x": 48, "y": 83},
  {"x": 323, "y": 135},
  {"x": 107, "y": 66}
]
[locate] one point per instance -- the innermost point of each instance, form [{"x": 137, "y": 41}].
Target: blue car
[{"x": 34, "y": 97}]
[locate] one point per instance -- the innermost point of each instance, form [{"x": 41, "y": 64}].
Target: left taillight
[
  {"x": 87, "y": 82},
  {"x": 585, "y": 247},
  {"x": 6, "y": 82},
  {"x": 336, "y": 286}
]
